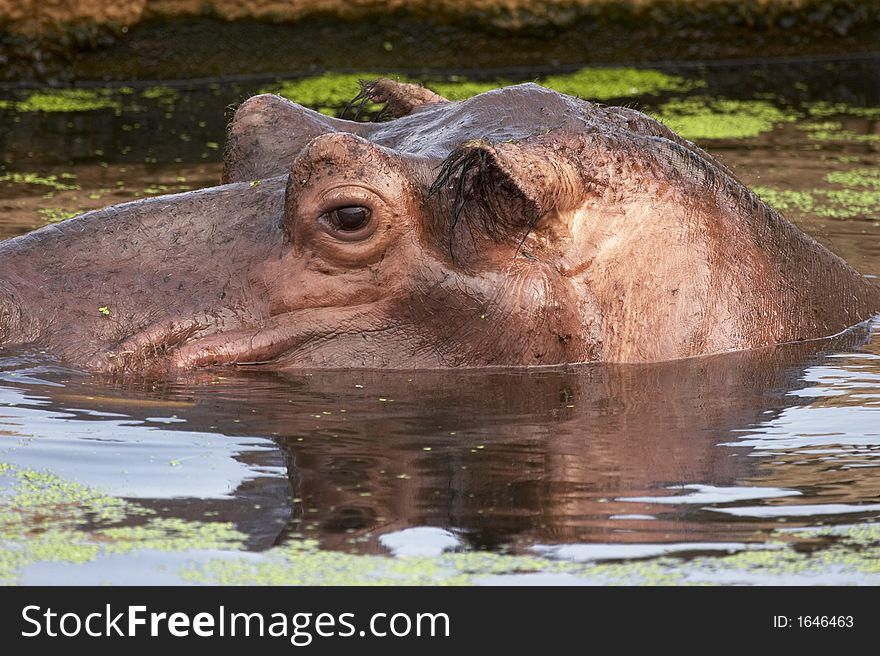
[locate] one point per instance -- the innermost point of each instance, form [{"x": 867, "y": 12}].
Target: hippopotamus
[{"x": 519, "y": 227}]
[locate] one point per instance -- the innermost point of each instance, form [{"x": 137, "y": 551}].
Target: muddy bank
[
  {"x": 44, "y": 17},
  {"x": 68, "y": 40}
]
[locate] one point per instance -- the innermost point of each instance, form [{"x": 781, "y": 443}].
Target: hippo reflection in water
[{"x": 520, "y": 227}]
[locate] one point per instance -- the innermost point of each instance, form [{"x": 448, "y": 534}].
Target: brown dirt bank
[{"x": 131, "y": 39}]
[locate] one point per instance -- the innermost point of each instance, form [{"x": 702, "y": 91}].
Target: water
[{"x": 756, "y": 467}]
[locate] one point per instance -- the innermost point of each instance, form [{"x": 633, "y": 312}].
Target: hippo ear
[
  {"x": 268, "y": 131},
  {"x": 399, "y": 98},
  {"x": 503, "y": 190}
]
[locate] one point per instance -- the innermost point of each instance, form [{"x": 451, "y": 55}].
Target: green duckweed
[
  {"x": 330, "y": 92},
  {"x": 840, "y": 204},
  {"x": 462, "y": 88},
  {"x": 854, "y": 551},
  {"x": 327, "y": 93},
  {"x": 787, "y": 200},
  {"x": 835, "y": 131},
  {"x": 608, "y": 83},
  {"x": 51, "y": 181},
  {"x": 65, "y": 100},
  {"x": 44, "y": 518},
  {"x": 824, "y": 109},
  {"x": 164, "y": 95},
  {"x": 701, "y": 117},
  {"x": 864, "y": 177},
  {"x": 56, "y": 214},
  {"x": 858, "y": 197}
]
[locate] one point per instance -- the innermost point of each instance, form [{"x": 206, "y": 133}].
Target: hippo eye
[{"x": 349, "y": 219}]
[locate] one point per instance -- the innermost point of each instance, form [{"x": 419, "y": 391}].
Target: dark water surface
[{"x": 758, "y": 467}]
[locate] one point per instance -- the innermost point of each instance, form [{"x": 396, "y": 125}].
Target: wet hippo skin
[{"x": 520, "y": 227}]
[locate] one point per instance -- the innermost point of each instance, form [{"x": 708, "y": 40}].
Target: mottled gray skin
[{"x": 520, "y": 227}]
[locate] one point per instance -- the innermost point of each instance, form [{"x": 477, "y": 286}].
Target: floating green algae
[
  {"x": 787, "y": 200},
  {"x": 159, "y": 92},
  {"x": 330, "y": 92},
  {"x": 326, "y": 93},
  {"x": 864, "y": 177},
  {"x": 65, "y": 100},
  {"x": 858, "y": 199},
  {"x": 56, "y": 214},
  {"x": 608, "y": 83},
  {"x": 840, "y": 204},
  {"x": 305, "y": 564},
  {"x": 855, "y": 551},
  {"x": 825, "y": 109},
  {"x": 165, "y": 96},
  {"x": 46, "y": 518},
  {"x": 850, "y": 203},
  {"x": 587, "y": 83},
  {"x": 460, "y": 88},
  {"x": 701, "y": 117},
  {"x": 172, "y": 534},
  {"x": 51, "y": 181},
  {"x": 835, "y": 131}
]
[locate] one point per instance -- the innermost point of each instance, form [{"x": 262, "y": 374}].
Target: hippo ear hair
[
  {"x": 399, "y": 98},
  {"x": 491, "y": 189}
]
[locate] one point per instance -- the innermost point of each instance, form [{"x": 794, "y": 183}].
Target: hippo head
[
  {"x": 391, "y": 255},
  {"x": 520, "y": 227}
]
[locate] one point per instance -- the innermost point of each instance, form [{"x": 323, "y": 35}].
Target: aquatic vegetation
[
  {"x": 701, "y": 117},
  {"x": 44, "y": 518},
  {"x": 330, "y": 92},
  {"x": 824, "y": 109},
  {"x": 851, "y": 202},
  {"x": 865, "y": 177},
  {"x": 156, "y": 189},
  {"x": 608, "y": 83},
  {"x": 164, "y": 95},
  {"x": 35, "y": 179},
  {"x": 56, "y": 214},
  {"x": 85, "y": 100},
  {"x": 786, "y": 200},
  {"x": 856, "y": 551},
  {"x": 327, "y": 93},
  {"x": 460, "y": 88},
  {"x": 587, "y": 83},
  {"x": 65, "y": 100},
  {"x": 835, "y": 131},
  {"x": 304, "y": 563},
  {"x": 171, "y": 534}
]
